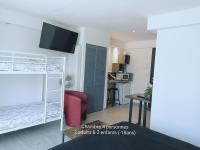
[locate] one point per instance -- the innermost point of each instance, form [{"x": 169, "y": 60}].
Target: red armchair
[{"x": 75, "y": 107}]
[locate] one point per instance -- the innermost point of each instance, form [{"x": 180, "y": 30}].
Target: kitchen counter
[
  {"x": 124, "y": 89},
  {"x": 117, "y": 81}
]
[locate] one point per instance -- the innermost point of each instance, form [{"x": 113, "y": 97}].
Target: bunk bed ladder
[
  {"x": 62, "y": 95},
  {"x": 58, "y": 77}
]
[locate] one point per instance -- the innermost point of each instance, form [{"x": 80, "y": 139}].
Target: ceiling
[{"x": 119, "y": 17}]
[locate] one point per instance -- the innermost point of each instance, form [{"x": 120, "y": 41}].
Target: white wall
[
  {"x": 140, "y": 44},
  {"x": 178, "y": 18},
  {"x": 21, "y": 32},
  {"x": 140, "y": 63},
  {"x": 140, "y": 66},
  {"x": 175, "y": 108},
  {"x": 175, "y": 102},
  {"x": 117, "y": 43},
  {"x": 97, "y": 37}
]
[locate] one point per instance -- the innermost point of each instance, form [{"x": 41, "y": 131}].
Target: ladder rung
[
  {"x": 54, "y": 77},
  {"x": 51, "y": 103},
  {"x": 57, "y": 90}
]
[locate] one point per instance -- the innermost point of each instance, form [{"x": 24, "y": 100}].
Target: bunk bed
[{"x": 50, "y": 108}]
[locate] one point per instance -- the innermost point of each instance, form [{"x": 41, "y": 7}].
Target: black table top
[{"x": 139, "y": 97}]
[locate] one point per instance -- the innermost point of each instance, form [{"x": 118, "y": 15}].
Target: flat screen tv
[{"x": 59, "y": 39}]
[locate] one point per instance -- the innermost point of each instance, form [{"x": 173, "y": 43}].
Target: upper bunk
[{"x": 28, "y": 63}]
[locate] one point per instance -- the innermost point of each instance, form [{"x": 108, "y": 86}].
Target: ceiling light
[{"x": 133, "y": 31}]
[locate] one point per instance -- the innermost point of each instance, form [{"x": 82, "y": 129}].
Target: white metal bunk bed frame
[{"x": 12, "y": 58}]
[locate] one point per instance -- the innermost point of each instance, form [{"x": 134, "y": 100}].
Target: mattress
[
  {"x": 20, "y": 116},
  {"x": 31, "y": 67}
]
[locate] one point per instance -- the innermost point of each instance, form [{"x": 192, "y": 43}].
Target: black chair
[{"x": 111, "y": 96}]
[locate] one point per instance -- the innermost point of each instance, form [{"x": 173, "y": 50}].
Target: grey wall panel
[
  {"x": 90, "y": 66},
  {"x": 95, "y": 67}
]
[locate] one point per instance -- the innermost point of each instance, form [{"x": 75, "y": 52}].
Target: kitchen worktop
[
  {"x": 117, "y": 81},
  {"x": 124, "y": 88}
]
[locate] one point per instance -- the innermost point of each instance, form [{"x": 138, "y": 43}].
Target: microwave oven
[{"x": 122, "y": 76}]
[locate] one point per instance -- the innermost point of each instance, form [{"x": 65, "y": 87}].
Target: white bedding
[
  {"x": 28, "y": 67},
  {"x": 26, "y": 115}
]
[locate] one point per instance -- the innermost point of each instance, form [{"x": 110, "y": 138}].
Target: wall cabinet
[
  {"x": 121, "y": 57},
  {"x": 117, "y": 55}
]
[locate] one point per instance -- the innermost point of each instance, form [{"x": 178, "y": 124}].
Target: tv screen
[{"x": 59, "y": 39}]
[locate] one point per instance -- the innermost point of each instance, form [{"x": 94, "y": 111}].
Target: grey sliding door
[{"x": 95, "y": 68}]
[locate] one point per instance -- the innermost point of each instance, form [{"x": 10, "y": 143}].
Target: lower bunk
[{"x": 17, "y": 117}]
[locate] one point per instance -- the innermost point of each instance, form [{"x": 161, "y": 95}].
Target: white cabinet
[
  {"x": 116, "y": 55},
  {"x": 121, "y": 57},
  {"x": 124, "y": 89}
]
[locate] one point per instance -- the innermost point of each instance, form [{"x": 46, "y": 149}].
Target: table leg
[
  {"x": 63, "y": 137},
  {"x": 130, "y": 110},
  {"x": 140, "y": 113},
  {"x": 144, "y": 114},
  {"x": 113, "y": 98}
]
